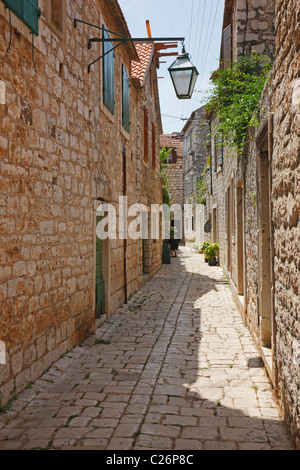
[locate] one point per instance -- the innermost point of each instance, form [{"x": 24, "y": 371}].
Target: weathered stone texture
[
  {"x": 286, "y": 208},
  {"x": 254, "y": 27},
  {"x": 271, "y": 254},
  {"x": 195, "y": 160},
  {"x": 60, "y": 150},
  {"x": 174, "y": 171}
]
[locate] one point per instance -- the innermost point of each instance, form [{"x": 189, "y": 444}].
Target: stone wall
[
  {"x": 254, "y": 27},
  {"x": 195, "y": 159},
  {"x": 286, "y": 207},
  {"x": 62, "y": 151},
  {"x": 266, "y": 180},
  {"x": 174, "y": 171}
]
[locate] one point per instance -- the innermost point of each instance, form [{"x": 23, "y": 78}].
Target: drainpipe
[
  {"x": 125, "y": 238},
  {"x": 246, "y": 24},
  {"x": 211, "y": 164}
]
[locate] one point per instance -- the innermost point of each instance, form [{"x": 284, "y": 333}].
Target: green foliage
[
  {"x": 253, "y": 196},
  {"x": 165, "y": 186},
  {"x": 173, "y": 232},
  {"x": 204, "y": 246},
  {"x": 212, "y": 250},
  {"x": 235, "y": 98},
  {"x": 207, "y": 166},
  {"x": 201, "y": 191}
]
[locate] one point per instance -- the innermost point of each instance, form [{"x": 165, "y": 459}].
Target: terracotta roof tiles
[{"x": 139, "y": 69}]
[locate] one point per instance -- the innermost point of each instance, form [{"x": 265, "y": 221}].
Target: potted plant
[
  {"x": 203, "y": 248},
  {"x": 211, "y": 254}
]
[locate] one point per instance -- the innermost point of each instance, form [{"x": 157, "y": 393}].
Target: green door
[
  {"x": 143, "y": 254},
  {"x": 100, "y": 290}
]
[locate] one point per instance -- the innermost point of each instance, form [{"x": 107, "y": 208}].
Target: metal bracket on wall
[
  {"x": 33, "y": 51},
  {"x": 10, "y": 30},
  {"x": 121, "y": 39},
  {"x": 10, "y": 36}
]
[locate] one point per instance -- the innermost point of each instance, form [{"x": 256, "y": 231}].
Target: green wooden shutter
[
  {"x": 28, "y": 12},
  {"x": 108, "y": 75},
  {"x": 125, "y": 100}
]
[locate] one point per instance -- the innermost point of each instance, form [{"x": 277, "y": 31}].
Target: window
[
  {"x": 125, "y": 100},
  {"x": 169, "y": 158},
  {"x": 172, "y": 157},
  {"x": 146, "y": 135},
  {"x": 108, "y": 74},
  {"x": 28, "y": 11},
  {"x": 56, "y": 16},
  {"x": 227, "y": 47},
  {"x": 153, "y": 146}
]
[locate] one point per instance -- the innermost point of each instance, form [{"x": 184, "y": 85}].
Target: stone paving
[{"x": 174, "y": 369}]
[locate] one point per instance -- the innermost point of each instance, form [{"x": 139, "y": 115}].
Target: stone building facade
[
  {"x": 174, "y": 169},
  {"x": 254, "y": 200},
  {"x": 69, "y": 141},
  {"x": 195, "y": 133}
]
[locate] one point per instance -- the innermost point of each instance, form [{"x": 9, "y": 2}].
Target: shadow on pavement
[{"x": 171, "y": 370}]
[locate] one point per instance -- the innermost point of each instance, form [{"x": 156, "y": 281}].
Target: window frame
[
  {"x": 153, "y": 146},
  {"x": 108, "y": 61},
  {"x": 146, "y": 135},
  {"x": 227, "y": 47},
  {"x": 22, "y": 11},
  {"x": 60, "y": 33},
  {"x": 125, "y": 99}
]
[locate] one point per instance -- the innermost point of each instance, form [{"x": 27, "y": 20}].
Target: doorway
[
  {"x": 240, "y": 238},
  {"x": 100, "y": 284},
  {"x": 264, "y": 250}
]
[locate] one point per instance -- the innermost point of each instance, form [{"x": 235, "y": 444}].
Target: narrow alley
[{"x": 174, "y": 369}]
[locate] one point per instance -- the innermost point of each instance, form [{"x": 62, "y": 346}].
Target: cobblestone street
[{"x": 174, "y": 369}]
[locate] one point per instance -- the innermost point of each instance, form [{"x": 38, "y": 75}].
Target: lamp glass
[{"x": 184, "y": 75}]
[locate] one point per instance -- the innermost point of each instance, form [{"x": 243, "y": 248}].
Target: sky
[{"x": 200, "y": 23}]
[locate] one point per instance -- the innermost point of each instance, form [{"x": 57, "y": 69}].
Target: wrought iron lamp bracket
[{"x": 121, "y": 39}]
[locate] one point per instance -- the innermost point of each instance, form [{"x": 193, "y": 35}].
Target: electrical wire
[
  {"x": 186, "y": 106},
  {"x": 192, "y": 101},
  {"x": 197, "y": 14},
  {"x": 176, "y": 17},
  {"x": 209, "y": 44},
  {"x": 179, "y": 118},
  {"x": 191, "y": 22},
  {"x": 173, "y": 122},
  {"x": 245, "y": 31},
  {"x": 198, "y": 52}
]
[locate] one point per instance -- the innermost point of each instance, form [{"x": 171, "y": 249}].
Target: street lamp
[{"x": 184, "y": 75}]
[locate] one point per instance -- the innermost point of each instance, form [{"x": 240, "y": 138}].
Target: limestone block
[{"x": 17, "y": 362}]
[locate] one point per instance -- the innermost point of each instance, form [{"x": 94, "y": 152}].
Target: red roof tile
[{"x": 139, "y": 69}]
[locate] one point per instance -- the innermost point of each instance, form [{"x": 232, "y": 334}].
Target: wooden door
[{"x": 100, "y": 288}]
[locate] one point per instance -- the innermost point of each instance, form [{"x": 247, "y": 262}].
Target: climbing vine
[
  {"x": 165, "y": 183},
  {"x": 201, "y": 191},
  {"x": 235, "y": 96}
]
